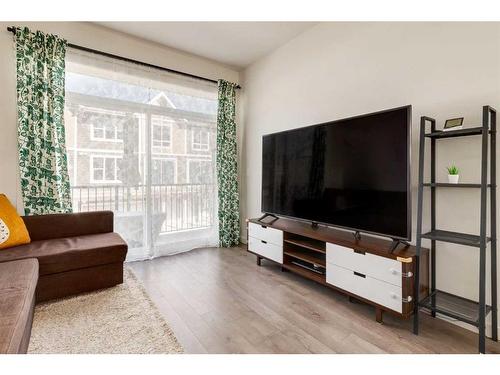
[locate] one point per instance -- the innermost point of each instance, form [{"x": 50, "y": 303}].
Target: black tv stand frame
[
  {"x": 268, "y": 215},
  {"x": 396, "y": 242}
]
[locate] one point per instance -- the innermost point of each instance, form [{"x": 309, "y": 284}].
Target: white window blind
[{"x": 139, "y": 144}]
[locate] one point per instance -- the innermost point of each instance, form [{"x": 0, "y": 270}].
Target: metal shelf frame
[{"x": 488, "y": 128}]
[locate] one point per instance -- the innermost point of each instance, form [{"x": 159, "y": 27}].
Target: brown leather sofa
[{"x": 76, "y": 253}]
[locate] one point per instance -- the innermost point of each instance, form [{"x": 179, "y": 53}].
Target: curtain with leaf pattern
[
  {"x": 40, "y": 122},
  {"x": 227, "y": 168}
]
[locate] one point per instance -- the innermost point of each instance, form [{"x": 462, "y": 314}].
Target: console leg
[
  {"x": 259, "y": 261},
  {"x": 379, "y": 315}
]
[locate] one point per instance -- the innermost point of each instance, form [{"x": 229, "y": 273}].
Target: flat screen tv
[{"x": 352, "y": 173}]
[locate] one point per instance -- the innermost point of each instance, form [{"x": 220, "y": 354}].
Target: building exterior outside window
[{"x": 200, "y": 140}]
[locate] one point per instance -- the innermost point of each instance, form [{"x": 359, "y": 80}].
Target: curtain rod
[{"x": 12, "y": 29}]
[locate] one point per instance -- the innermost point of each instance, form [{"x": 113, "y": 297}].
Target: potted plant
[{"x": 453, "y": 174}]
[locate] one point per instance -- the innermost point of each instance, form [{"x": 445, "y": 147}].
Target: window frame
[
  {"x": 174, "y": 160},
  {"x": 188, "y": 171},
  {"x": 104, "y": 180},
  {"x": 168, "y": 124},
  {"x": 93, "y": 137},
  {"x": 200, "y": 145}
]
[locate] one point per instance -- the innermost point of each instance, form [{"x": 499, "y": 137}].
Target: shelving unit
[
  {"x": 442, "y": 302},
  {"x": 305, "y": 257},
  {"x": 367, "y": 269},
  {"x": 305, "y": 273},
  {"x": 318, "y": 246},
  {"x": 309, "y": 252}
]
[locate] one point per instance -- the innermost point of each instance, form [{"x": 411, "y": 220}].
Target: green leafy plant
[{"x": 452, "y": 170}]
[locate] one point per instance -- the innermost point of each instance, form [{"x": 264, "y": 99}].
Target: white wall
[
  {"x": 336, "y": 70},
  {"x": 95, "y": 37}
]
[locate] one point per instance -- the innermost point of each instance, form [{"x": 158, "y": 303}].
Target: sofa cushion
[
  {"x": 50, "y": 226},
  {"x": 18, "y": 282},
  {"x": 66, "y": 254}
]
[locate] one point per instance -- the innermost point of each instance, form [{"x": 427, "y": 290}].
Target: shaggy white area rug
[{"x": 121, "y": 319}]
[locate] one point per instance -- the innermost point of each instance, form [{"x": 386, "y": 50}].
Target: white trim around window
[
  {"x": 102, "y": 168},
  {"x": 165, "y": 125},
  {"x": 103, "y": 138},
  {"x": 188, "y": 169},
  {"x": 174, "y": 160},
  {"x": 200, "y": 145}
]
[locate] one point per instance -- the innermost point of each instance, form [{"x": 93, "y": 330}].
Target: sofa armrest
[{"x": 44, "y": 227}]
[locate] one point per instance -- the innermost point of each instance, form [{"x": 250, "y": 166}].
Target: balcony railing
[{"x": 174, "y": 207}]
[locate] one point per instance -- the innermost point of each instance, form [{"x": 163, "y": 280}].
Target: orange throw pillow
[{"x": 13, "y": 231}]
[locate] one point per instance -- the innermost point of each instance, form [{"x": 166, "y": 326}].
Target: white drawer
[
  {"x": 381, "y": 268},
  {"x": 265, "y": 233},
  {"x": 374, "y": 290},
  {"x": 266, "y": 249}
]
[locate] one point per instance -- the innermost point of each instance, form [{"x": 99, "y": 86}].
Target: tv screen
[{"x": 352, "y": 173}]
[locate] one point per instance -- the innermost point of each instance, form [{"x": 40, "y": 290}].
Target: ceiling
[{"x": 237, "y": 44}]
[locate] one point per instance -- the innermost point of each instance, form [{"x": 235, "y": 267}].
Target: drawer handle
[
  {"x": 264, "y": 226},
  {"x": 393, "y": 271},
  {"x": 404, "y": 300},
  {"x": 360, "y": 252},
  {"x": 263, "y": 241},
  {"x": 404, "y": 274},
  {"x": 359, "y": 274}
]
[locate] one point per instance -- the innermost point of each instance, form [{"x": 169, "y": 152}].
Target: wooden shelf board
[
  {"x": 305, "y": 273},
  {"x": 305, "y": 257},
  {"x": 310, "y": 244}
]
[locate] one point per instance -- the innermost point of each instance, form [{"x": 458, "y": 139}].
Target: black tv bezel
[{"x": 408, "y": 176}]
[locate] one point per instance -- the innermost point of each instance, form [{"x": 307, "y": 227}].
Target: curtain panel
[
  {"x": 40, "y": 122},
  {"x": 227, "y": 168}
]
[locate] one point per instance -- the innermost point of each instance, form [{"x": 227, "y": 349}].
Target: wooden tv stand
[{"x": 364, "y": 268}]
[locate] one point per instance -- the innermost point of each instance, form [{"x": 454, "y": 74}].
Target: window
[
  {"x": 143, "y": 118},
  {"x": 200, "y": 140},
  {"x": 200, "y": 171},
  {"x": 161, "y": 132},
  {"x": 105, "y": 169},
  {"x": 107, "y": 132},
  {"x": 163, "y": 172}
]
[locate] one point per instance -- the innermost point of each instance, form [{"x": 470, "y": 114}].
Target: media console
[{"x": 365, "y": 268}]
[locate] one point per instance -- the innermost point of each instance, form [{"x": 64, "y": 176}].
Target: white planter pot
[{"x": 453, "y": 178}]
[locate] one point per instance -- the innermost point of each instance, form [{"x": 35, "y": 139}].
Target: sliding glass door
[{"x": 142, "y": 144}]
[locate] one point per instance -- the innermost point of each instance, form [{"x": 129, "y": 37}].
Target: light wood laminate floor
[{"x": 220, "y": 301}]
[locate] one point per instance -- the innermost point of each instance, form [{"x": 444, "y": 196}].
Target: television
[{"x": 352, "y": 173}]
